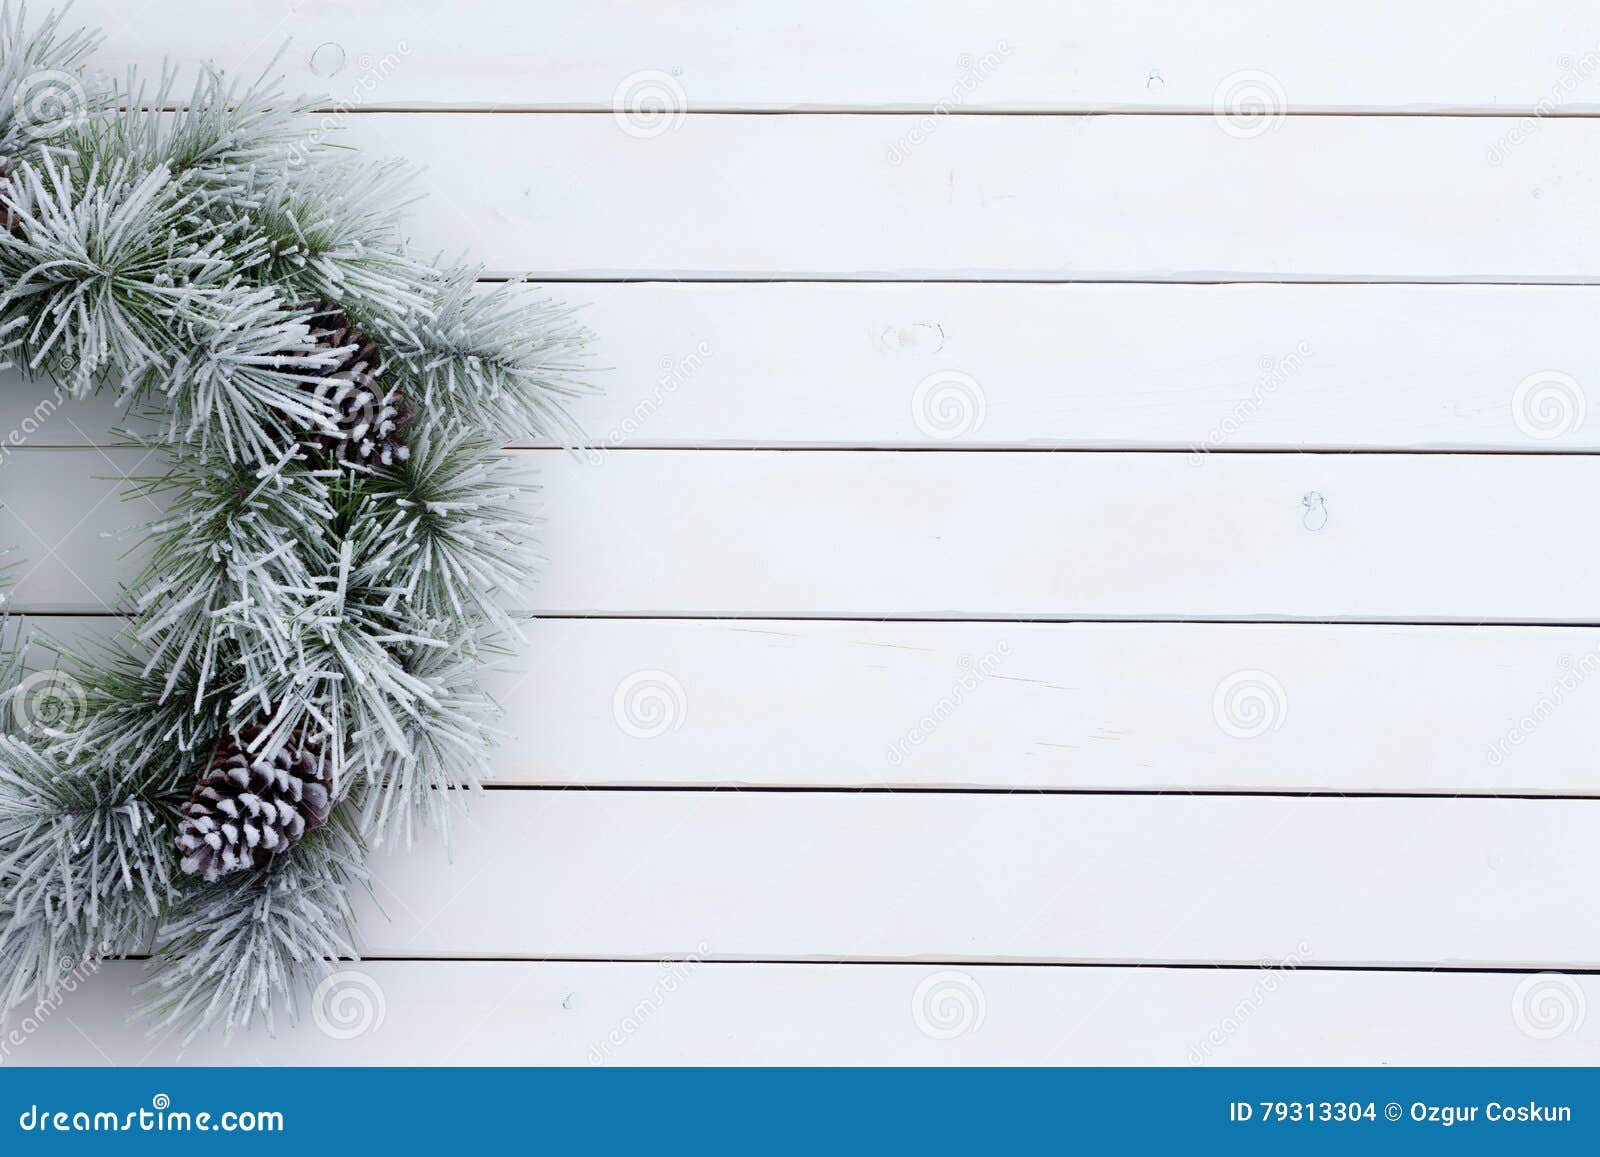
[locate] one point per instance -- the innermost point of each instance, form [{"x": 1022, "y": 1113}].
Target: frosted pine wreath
[{"x": 320, "y": 411}]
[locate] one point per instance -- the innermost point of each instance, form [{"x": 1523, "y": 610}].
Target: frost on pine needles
[{"x": 340, "y": 548}]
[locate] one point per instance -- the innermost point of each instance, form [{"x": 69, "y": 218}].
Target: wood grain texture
[
  {"x": 1079, "y": 706},
  {"x": 516, "y": 1013},
  {"x": 1151, "y": 54},
  {"x": 940, "y": 877},
  {"x": 1214, "y": 367},
  {"x": 833, "y": 534},
  {"x": 1147, "y": 198}
]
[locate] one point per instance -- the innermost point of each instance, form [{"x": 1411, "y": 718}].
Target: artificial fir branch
[
  {"x": 293, "y": 593},
  {"x": 235, "y": 950}
]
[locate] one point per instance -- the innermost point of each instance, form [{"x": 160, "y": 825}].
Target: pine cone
[
  {"x": 368, "y": 417},
  {"x": 247, "y": 808}
]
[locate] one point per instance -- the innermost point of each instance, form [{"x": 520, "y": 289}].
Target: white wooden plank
[
  {"x": 1112, "y": 706},
  {"x": 1086, "y": 706},
  {"x": 832, "y": 534},
  {"x": 1153, "y": 54},
  {"x": 684, "y": 1012},
  {"x": 1218, "y": 367},
  {"x": 990, "y": 878},
  {"x": 1128, "y": 366},
  {"x": 1023, "y": 535},
  {"x": 1022, "y": 197}
]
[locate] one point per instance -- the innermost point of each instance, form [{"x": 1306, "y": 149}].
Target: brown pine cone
[
  {"x": 248, "y": 807},
  {"x": 368, "y": 417}
]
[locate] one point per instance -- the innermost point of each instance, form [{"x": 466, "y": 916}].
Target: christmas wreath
[{"x": 296, "y": 681}]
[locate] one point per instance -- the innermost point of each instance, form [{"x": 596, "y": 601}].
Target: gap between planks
[{"x": 959, "y": 962}]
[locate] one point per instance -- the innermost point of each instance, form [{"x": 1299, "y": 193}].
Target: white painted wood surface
[
  {"x": 946, "y": 534},
  {"x": 520, "y": 1013},
  {"x": 1163, "y": 198},
  {"x": 1150, "y": 54},
  {"x": 795, "y": 462},
  {"x": 1213, "y": 367},
  {"x": 1034, "y": 706},
  {"x": 938, "y": 876}
]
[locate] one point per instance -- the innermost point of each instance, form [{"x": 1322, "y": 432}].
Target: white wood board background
[{"x": 1255, "y": 724}]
